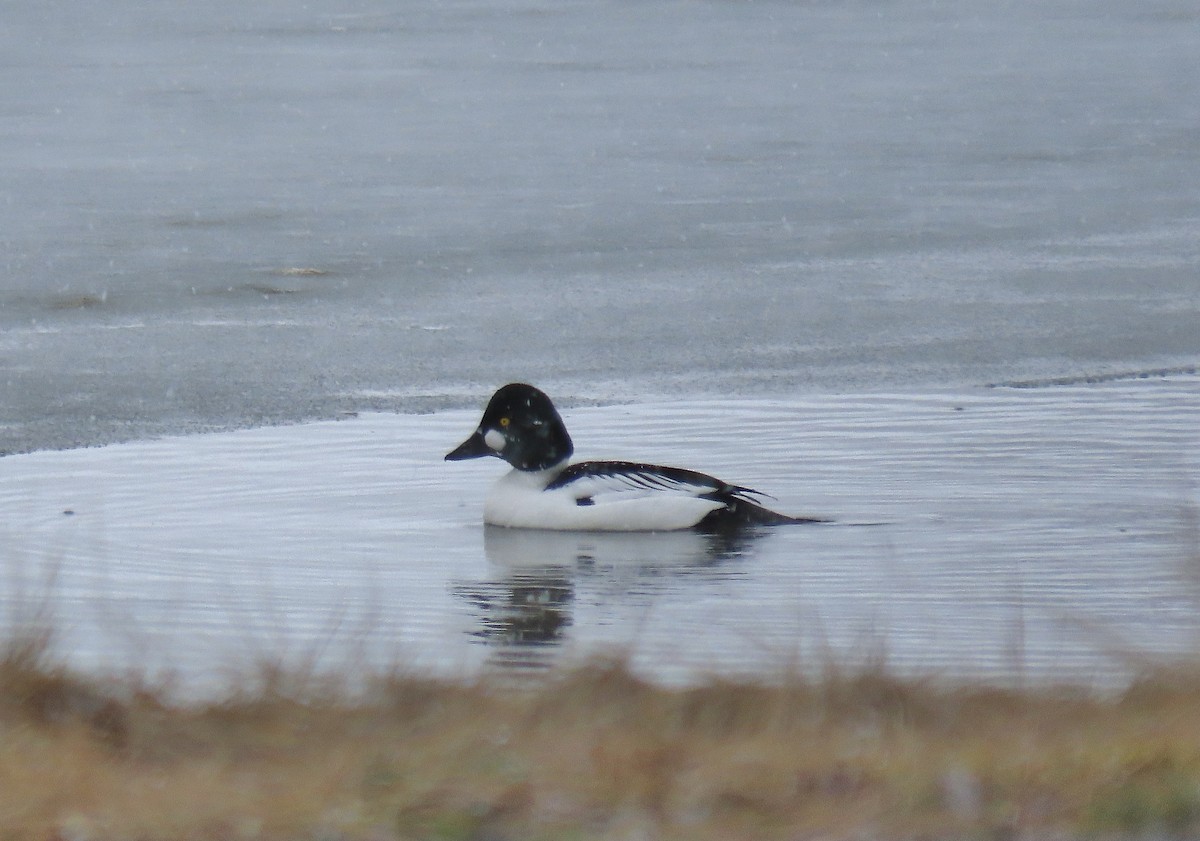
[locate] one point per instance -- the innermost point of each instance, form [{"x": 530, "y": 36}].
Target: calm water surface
[{"x": 1012, "y": 534}]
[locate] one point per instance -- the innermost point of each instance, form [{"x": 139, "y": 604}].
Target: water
[
  {"x": 817, "y": 224},
  {"x": 1012, "y": 535}
]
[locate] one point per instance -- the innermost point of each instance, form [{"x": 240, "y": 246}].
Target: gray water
[
  {"x": 1045, "y": 535},
  {"x": 789, "y": 243}
]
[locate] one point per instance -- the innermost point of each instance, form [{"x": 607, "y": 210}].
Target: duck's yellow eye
[{"x": 505, "y": 421}]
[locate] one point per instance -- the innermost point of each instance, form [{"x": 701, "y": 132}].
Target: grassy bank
[{"x": 591, "y": 754}]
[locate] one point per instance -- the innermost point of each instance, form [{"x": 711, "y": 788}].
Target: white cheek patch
[{"x": 495, "y": 439}]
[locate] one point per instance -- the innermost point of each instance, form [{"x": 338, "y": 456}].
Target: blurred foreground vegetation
[{"x": 594, "y": 753}]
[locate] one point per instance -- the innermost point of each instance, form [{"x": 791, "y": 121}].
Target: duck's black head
[{"x": 521, "y": 426}]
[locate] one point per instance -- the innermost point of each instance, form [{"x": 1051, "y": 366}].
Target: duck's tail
[{"x": 739, "y": 512}]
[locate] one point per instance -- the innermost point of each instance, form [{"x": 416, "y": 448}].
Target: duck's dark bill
[{"x": 473, "y": 447}]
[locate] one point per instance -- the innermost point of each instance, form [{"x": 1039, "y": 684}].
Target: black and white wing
[
  {"x": 590, "y": 479},
  {"x": 592, "y": 482}
]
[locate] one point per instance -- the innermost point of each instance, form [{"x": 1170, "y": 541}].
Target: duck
[{"x": 545, "y": 490}]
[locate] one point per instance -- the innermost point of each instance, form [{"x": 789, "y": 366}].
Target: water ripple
[{"x": 1022, "y": 535}]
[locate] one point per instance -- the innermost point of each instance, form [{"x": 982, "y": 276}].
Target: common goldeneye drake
[{"x": 545, "y": 491}]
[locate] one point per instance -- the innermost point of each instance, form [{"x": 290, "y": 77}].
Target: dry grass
[{"x": 591, "y": 754}]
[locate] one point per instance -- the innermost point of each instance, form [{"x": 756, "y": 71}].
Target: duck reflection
[
  {"x": 525, "y": 612},
  {"x": 522, "y": 614},
  {"x": 678, "y": 550}
]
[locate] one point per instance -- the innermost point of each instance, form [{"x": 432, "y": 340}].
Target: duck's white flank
[{"x": 520, "y": 500}]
